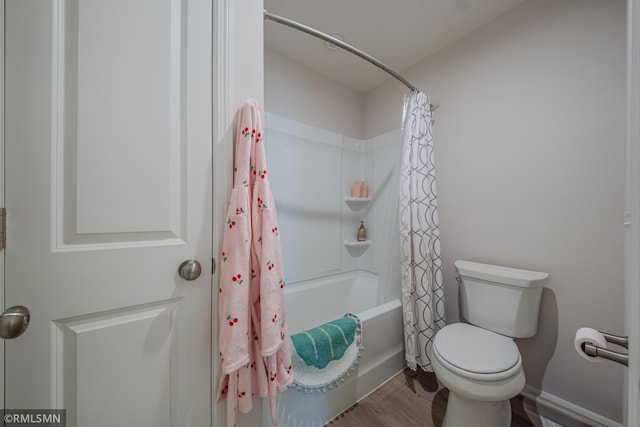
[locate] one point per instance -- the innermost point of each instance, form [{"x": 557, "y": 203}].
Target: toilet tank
[{"x": 502, "y": 299}]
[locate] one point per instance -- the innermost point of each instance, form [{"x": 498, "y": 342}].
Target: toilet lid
[{"x": 476, "y": 350}]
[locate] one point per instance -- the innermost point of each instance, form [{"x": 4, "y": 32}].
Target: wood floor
[{"x": 413, "y": 399}]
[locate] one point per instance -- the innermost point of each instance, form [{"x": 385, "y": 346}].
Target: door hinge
[
  {"x": 3, "y": 228},
  {"x": 213, "y": 266}
]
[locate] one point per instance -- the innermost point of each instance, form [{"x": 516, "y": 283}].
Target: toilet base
[{"x": 462, "y": 412}]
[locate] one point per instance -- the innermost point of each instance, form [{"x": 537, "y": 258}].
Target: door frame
[
  {"x": 222, "y": 156},
  {"x": 632, "y": 215},
  {"x": 2, "y": 190},
  {"x": 237, "y": 75}
]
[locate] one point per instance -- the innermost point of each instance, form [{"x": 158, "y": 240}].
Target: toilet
[{"x": 478, "y": 361}]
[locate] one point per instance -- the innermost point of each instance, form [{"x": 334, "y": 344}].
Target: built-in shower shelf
[
  {"x": 357, "y": 248},
  {"x": 357, "y": 243},
  {"x": 357, "y": 203}
]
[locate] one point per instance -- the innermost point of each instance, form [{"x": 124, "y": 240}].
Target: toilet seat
[{"x": 476, "y": 353}]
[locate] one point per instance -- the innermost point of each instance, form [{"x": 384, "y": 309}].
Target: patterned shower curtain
[{"x": 420, "y": 261}]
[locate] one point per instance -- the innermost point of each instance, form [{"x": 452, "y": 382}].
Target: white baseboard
[{"x": 564, "y": 412}]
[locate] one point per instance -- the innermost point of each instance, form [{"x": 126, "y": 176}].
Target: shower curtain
[{"x": 420, "y": 261}]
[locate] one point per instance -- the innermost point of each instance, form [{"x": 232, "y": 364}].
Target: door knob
[
  {"x": 14, "y": 321},
  {"x": 190, "y": 269}
]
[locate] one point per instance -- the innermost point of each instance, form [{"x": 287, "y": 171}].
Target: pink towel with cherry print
[
  {"x": 234, "y": 313},
  {"x": 255, "y": 354},
  {"x": 272, "y": 327}
]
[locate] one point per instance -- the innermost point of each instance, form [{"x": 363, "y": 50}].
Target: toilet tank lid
[{"x": 498, "y": 274}]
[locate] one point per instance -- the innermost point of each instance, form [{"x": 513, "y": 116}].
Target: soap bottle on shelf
[{"x": 362, "y": 232}]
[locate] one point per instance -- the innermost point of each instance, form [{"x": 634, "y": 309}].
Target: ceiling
[{"x": 399, "y": 33}]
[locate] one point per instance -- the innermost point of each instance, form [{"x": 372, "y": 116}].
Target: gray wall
[
  {"x": 298, "y": 93},
  {"x": 529, "y": 141}
]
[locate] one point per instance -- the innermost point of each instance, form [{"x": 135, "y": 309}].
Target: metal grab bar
[
  {"x": 616, "y": 339},
  {"x": 597, "y": 351}
]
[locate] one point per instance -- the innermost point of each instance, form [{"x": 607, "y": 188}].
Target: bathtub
[{"x": 312, "y": 303}]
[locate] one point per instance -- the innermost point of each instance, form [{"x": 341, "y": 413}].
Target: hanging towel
[
  {"x": 324, "y": 355},
  {"x": 255, "y": 351}
]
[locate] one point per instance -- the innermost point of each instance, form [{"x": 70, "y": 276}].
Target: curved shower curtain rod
[{"x": 313, "y": 32}]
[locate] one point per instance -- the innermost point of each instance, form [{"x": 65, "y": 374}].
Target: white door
[{"x": 108, "y": 190}]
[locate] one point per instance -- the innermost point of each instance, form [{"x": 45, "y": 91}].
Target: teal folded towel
[
  {"x": 319, "y": 346},
  {"x": 323, "y": 356}
]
